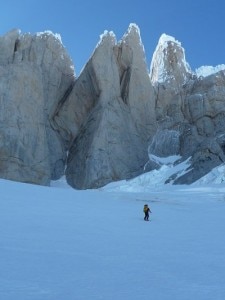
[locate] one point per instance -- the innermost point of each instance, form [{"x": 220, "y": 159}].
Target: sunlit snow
[
  {"x": 209, "y": 70},
  {"x": 61, "y": 244},
  {"x": 50, "y": 33}
]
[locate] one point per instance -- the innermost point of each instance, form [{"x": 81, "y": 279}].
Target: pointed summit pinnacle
[{"x": 168, "y": 61}]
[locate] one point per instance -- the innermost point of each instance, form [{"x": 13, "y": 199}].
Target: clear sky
[{"x": 197, "y": 24}]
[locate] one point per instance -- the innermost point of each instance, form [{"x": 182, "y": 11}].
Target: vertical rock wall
[
  {"x": 111, "y": 143},
  {"x": 35, "y": 72},
  {"x": 101, "y": 126},
  {"x": 188, "y": 107}
]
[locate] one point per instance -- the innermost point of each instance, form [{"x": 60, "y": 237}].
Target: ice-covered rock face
[
  {"x": 169, "y": 72},
  {"x": 168, "y": 62}
]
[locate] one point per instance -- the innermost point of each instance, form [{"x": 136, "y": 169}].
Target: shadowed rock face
[
  {"x": 35, "y": 73},
  {"x": 104, "y": 125}
]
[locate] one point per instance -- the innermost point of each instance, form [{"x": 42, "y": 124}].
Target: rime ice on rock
[
  {"x": 57, "y": 40},
  {"x": 133, "y": 29},
  {"x": 106, "y": 35},
  {"x": 133, "y": 36},
  {"x": 209, "y": 70},
  {"x": 48, "y": 33},
  {"x": 168, "y": 61}
]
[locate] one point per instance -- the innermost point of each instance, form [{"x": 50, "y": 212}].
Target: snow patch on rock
[
  {"x": 205, "y": 71},
  {"x": 106, "y": 34},
  {"x": 48, "y": 33},
  {"x": 216, "y": 176}
]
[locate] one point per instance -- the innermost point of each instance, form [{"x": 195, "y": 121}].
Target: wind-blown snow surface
[{"x": 61, "y": 244}]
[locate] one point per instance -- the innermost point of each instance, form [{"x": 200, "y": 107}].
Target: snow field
[{"x": 62, "y": 244}]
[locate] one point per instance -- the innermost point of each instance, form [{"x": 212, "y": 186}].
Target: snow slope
[{"x": 61, "y": 244}]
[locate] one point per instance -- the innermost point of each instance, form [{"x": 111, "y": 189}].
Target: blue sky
[{"x": 197, "y": 24}]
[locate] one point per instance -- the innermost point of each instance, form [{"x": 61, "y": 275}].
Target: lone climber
[{"x": 146, "y": 210}]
